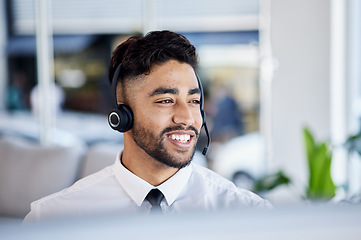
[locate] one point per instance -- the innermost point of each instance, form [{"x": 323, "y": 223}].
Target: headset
[{"x": 121, "y": 117}]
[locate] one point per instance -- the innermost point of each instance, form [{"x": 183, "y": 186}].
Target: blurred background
[{"x": 272, "y": 72}]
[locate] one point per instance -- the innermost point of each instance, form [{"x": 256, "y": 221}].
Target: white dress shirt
[{"x": 116, "y": 190}]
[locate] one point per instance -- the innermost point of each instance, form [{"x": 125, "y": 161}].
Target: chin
[{"x": 179, "y": 160}]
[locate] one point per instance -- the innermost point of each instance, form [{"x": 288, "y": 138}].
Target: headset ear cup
[{"x": 121, "y": 118}]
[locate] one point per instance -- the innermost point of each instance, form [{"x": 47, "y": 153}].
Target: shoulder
[
  {"x": 224, "y": 191},
  {"x": 211, "y": 178},
  {"x": 67, "y": 199},
  {"x": 85, "y": 183}
]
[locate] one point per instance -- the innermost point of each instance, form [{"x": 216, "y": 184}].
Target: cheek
[
  {"x": 152, "y": 119},
  {"x": 198, "y": 120}
]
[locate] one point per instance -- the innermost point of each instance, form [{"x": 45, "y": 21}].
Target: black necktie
[{"x": 155, "y": 197}]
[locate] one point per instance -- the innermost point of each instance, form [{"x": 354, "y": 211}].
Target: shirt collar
[{"x": 137, "y": 188}]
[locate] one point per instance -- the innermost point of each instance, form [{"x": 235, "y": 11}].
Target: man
[{"x": 158, "y": 93}]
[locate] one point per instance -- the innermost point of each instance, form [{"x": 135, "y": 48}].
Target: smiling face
[{"x": 167, "y": 118}]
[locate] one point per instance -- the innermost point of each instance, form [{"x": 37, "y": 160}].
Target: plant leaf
[{"x": 319, "y": 159}]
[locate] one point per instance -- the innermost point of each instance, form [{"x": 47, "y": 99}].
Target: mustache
[{"x": 179, "y": 128}]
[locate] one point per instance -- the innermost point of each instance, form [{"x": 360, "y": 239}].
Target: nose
[{"x": 183, "y": 115}]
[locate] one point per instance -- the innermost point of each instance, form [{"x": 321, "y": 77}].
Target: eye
[
  {"x": 165, "y": 101},
  {"x": 195, "y": 101}
]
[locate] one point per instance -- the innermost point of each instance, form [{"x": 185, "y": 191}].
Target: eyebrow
[
  {"x": 161, "y": 90},
  {"x": 175, "y": 91},
  {"x": 194, "y": 91}
]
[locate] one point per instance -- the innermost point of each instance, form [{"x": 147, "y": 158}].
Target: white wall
[{"x": 300, "y": 38}]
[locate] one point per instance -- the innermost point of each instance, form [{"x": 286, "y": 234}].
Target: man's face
[{"x": 167, "y": 118}]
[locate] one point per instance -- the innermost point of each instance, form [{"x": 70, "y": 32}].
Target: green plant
[
  {"x": 353, "y": 143},
  {"x": 271, "y": 181},
  {"x": 319, "y": 157}
]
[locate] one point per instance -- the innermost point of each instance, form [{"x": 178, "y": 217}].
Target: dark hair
[{"x": 138, "y": 54}]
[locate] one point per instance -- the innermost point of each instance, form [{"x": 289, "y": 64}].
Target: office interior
[{"x": 275, "y": 74}]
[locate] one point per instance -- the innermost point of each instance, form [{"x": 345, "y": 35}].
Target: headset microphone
[
  {"x": 204, "y": 124},
  {"x": 205, "y": 149}
]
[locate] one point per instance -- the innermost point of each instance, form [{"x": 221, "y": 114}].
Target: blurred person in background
[
  {"x": 16, "y": 96},
  {"x": 56, "y": 95},
  {"x": 227, "y": 120},
  {"x": 159, "y": 110}
]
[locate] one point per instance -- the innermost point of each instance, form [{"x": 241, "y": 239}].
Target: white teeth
[{"x": 181, "y": 138}]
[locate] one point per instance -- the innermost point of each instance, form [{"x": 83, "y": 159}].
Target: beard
[{"x": 153, "y": 145}]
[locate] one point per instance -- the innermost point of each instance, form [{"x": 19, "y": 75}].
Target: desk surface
[{"x": 296, "y": 222}]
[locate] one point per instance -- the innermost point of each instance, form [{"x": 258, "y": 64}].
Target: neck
[{"x": 144, "y": 166}]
